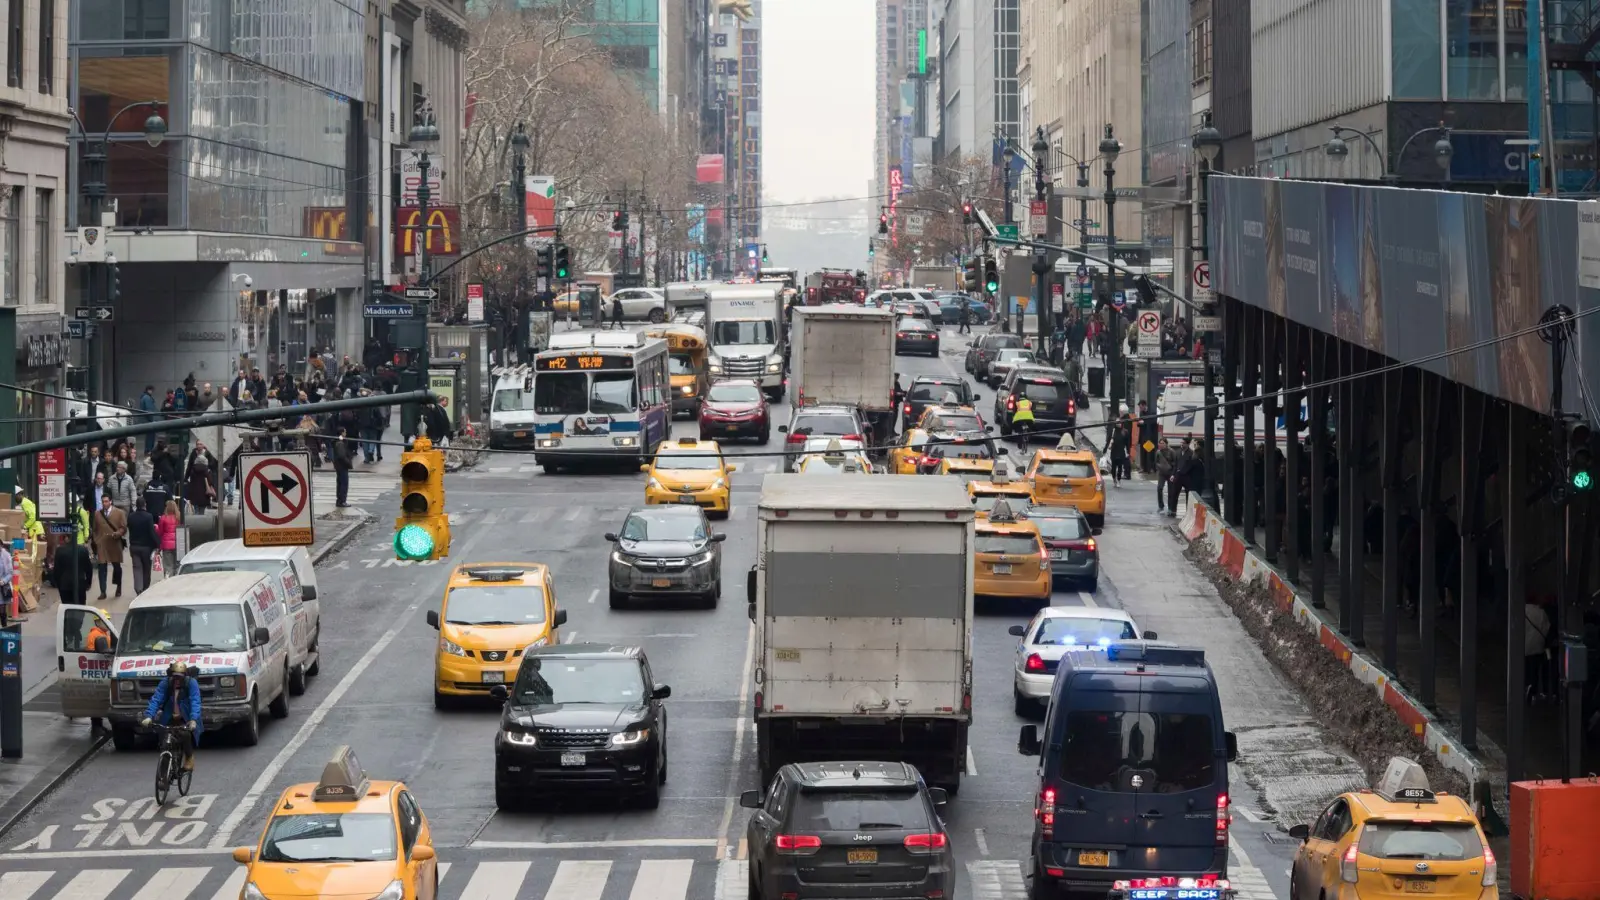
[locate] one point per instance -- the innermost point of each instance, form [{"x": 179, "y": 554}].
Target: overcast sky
[{"x": 817, "y": 98}]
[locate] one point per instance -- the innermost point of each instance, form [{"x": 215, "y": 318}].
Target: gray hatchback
[{"x": 666, "y": 551}]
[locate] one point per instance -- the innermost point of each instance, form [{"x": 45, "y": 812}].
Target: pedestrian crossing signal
[
  {"x": 422, "y": 530},
  {"x": 542, "y": 263},
  {"x": 973, "y": 275}
]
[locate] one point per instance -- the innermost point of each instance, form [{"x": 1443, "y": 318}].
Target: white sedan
[{"x": 1054, "y": 631}]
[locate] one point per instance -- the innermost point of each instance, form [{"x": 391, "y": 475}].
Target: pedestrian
[
  {"x": 1536, "y": 635},
  {"x": 167, "y": 532},
  {"x": 148, "y": 406},
  {"x": 108, "y": 529},
  {"x": 616, "y": 312},
  {"x": 966, "y": 316},
  {"x": 1177, "y": 476},
  {"x": 74, "y": 571},
  {"x": 143, "y": 540},
  {"x": 438, "y": 420},
  {"x": 7, "y": 571},
  {"x": 1164, "y": 461},
  {"x": 197, "y": 489},
  {"x": 122, "y": 488},
  {"x": 341, "y": 469}
]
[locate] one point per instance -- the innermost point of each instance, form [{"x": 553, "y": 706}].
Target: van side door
[
  {"x": 1184, "y": 775},
  {"x": 1085, "y": 761},
  {"x": 85, "y": 649}
]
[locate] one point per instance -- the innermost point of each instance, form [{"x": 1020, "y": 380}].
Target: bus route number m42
[{"x": 591, "y": 361}]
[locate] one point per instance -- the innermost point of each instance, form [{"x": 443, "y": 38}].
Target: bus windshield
[
  {"x": 561, "y": 393},
  {"x": 758, "y": 331},
  {"x": 612, "y": 392},
  {"x": 680, "y": 364}
]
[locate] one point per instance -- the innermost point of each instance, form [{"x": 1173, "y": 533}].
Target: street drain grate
[{"x": 1278, "y": 837}]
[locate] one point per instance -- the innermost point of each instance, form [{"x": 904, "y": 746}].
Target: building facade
[{"x": 979, "y": 47}]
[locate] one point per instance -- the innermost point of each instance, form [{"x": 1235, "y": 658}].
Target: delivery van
[{"x": 291, "y": 567}]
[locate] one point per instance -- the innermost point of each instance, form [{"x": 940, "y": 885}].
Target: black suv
[
  {"x": 930, "y": 390},
  {"x": 848, "y": 829},
  {"x": 581, "y": 717},
  {"x": 983, "y": 350},
  {"x": 1055, "y": 406},
  {"x": 809, "y": 422}
]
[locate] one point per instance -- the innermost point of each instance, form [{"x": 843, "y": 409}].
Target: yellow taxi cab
[
  {"x": 690, "y": 468},
  {"x": 951, "y": 418},
  {"x": 834, "y": 461},
  {"x": 343, "y": 836},
  {"x": 985, "y": 494},
  {"x": 968, "y": 470},
  {"x": 941, "y": 447},
  {"x": 1398, "y": 840},
  {"x": 1010, "y": 557},
  {"x": 1069, "y": 478},
  {"x": 906, "y": 458},
  {"x": 491, "y": 612}
]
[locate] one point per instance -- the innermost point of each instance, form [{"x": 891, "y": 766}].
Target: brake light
[
  {"x": 929, "y": 461},
  {"x": 1047, "y": 812},
  {"x": 1223, "y": 817},
  {"x": 1035, "y": 663},
  {"x": 908, "y": 410},
  {"x": 1347, "y": 866},
  {"x": 1044, "y": 557},
  {"x": 796, "y": 438},
  {"x": 1072, "y": 407},
  {"x": 1491, "y": 869},
  {"x": 927, "y": 843},
  {"x": 797, "y": 844},
  {"x": 1087, "y": 544},
  {"x": 1011, "y": 404}
]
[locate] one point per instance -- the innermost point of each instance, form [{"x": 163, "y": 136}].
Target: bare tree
[{"x": 939, "y": 205}]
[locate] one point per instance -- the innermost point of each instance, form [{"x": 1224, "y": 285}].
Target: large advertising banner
[{"x": 540, "y": 207}]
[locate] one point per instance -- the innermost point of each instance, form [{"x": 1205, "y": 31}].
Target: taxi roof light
[
  {"x": 1001, "y": 512},
  {"x": 687, "y": 442},
  {"x": 342, "y": 779},
  {"x": 1405, "y": 781},
  {"x": 494, "y": 574}
]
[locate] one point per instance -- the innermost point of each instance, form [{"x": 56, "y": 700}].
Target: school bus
[{"x": 686, "y": 362}]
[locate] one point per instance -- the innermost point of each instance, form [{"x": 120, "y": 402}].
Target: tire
[
  {"x": 248, "y": 732},
  {"x": 442, "y": 701},
  {"x": 505, "y": 800},
  {"x": 709, "y": 598},
  {"x": 657, "y": 315},
  {"x": 1021, "y": 705},
  {"x": 663, "y": 774},
  {"x": 185, "y": 779},
  {"x": 123, "y": 738},
  {"x": 316, "y": 664},
  {"x": 765, "y": 435},
  {"x": 953, "y": 786},
  {"x": 1092, "y": 584},
  {"x": 753, "y": 890},
  {"x": 163, "y": 783},
  {"x": 618, "y": 599},
  {"x": 297, "y": 680},
  {"x": 279, "y": 707},
  {"x": 650, "y": 797},
  {"x": 550, "y": 468}
]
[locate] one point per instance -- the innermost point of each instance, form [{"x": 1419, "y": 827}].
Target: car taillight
[
  {"x": 1011, "y": 404},
  {"x": 797, "y": 844},
  {"x": 1223, "y": 818},
  {"x": 1087, "y": 544},
  {"x": 927, "y": 843},
  {"x": 796, "y": 439},
  {"x": 1347, "y": 865},
  {"x": 1044, "y": 557},
  {"x": 1072, "y": 407},
  {"x": 907, "y": 409},
  {"x": 1491, "y": 869},
  {"x": 928, "y": 461},
  {"x": 1047, "y": 812},
  {"x": 1035, "y": 663}
]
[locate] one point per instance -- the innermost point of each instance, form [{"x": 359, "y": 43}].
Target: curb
[
  {"x": 338, "y": 541},
  {"x": 52, "y": 780},
  {"x": 1243, "y": 564}
]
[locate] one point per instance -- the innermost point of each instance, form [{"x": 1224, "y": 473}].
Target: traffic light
[
  {"x": 422, "y": 530},
  {"x": 543, "y": 265},
  {"x": 991, "y": 276},
  {"x": 972, "y": 275},
  {"x": 966, "y": 213},
  {"x": 563, "y": 263},
  {"x": 1580, "y": 458},
  {"x": 617, "y": 220},
  {"x": 113, "y": 282},
  {"x": 871, "y": 250},
  {"x": 763, "y": 252},
  {"x": 883, "y": 223}
]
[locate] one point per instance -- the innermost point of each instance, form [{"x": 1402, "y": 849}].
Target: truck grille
[
  {"x": 744, "y": 366},
  {"x": 565, "y": 740},
  {"x": 147, "y": 686}
]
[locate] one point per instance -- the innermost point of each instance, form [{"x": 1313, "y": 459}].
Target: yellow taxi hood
[
  {"x": 687, "y": 477},
  {"x": 326, "y": 880},
  {"x": 493, "y": 637}
]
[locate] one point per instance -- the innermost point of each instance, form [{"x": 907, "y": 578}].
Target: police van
[{"x": 1133, "y": 771}]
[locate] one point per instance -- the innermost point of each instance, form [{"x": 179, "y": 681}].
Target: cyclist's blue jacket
[{"x": 158, "y": 710}]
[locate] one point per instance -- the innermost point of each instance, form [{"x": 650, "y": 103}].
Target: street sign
[
  {"x": 1145, "y": 194},
  {"x": 1096, "y": 239},
  {"x": 1201, "y": 276},
  {"x": 1149, "y": 335},
  {"x": 52, "y": 494},
  {"x": 422, "y": 293},
  {"x": 387, "y": 310},
  {"x": 1007, "y": 231},
  {"x": 1201, "y": 296},
  {"x": 1214, "y": 356},
  {"x": 92, "y": 313},
  {"x": 1085, "y": 300},
  {"x": 1118, "y": 299},
  {"x": 277, "y": 499},
  {"x": 1207, "y": 323},
  {"x": 1038, "y": 217},
  {"x": 77, "y": 329}
]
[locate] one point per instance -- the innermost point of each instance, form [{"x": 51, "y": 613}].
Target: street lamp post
[
  {"x": 1207, "y": 143},
  {"x": 1116, "y": 370},
  {"x": 1443, "y": 150},
  {"x": 415, "y": 377},
  {"x": 519, "y": 199},
  {"x": 96, "y": 175},
  {"x": 1041, "y": 262}
]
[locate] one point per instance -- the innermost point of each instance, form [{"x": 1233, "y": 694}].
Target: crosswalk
[
  {"x": 492, "y": 468},
  {"x": 512, "y": 879},
  {"x": 365, "y": 487}
]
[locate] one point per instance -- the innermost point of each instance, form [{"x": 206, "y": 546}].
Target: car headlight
[
  {"x": 688, "y": 389},
  {"x": 251, "y": 892},
  {"x": 629, "y": 738},
  {"x": 719, "y": 483},
  {"x": 395, "y": 891},
  {"x": 654, "y": 483},
  {"x": 543, "y": 641},
  {"x": 715, "y": 368},
  {"x": 625, "y": 441},
  {"x": 225, "y": 681},
  {"x": 775, "y": 368},
  {"x": 521, "y": 738},
  {"x": 700, "y": 559},
  {"x": 619, "y": 559},
  {"x": 125, "y": 688},
  {"x": 451, "y": 647}
]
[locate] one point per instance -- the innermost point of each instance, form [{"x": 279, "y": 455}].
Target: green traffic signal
[
  {"x": 1582, "y": 480},
  {"x": 413, "y": 542},
  {"x": 991, "y": 286}
]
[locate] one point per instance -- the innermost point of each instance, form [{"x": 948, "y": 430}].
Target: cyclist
[
  {"x": 1022, "y": 419},
  {"x": 177, "y": 699}
]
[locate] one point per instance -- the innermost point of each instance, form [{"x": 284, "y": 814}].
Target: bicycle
[{"x": 169, "y": 765}]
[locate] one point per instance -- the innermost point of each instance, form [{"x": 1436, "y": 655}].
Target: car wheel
[
  {"x": 1021, "y": 705},
  {"x": 316, "y": 664},
  {"x": 279, "y": 707},
  {"x": 754, "y": 889},
  {"x": 249, "y": 731},
  {"x": 297, "y": 680},
  {"x": 123, "y": 738},
  {"x": 505, "y": 799},
  {"x": 1039, "y": 889},
  {"x": 1092, "y": 584},
  {"x": 765, "y": 435},
  {"x": 550, "y": 468},
  {"x": 663, "y": 774},
  {"x": 442, "y": 701},
  {"x": 657, "y": 315},
  {"x": 617, "y": 599},
  {"x": 650, "y": 797},
  {"x": 709, "y": 599}
]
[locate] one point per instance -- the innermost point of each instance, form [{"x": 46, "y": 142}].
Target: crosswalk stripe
[
  {"x": 233, "y": 885},
  {"x": 579, "y": 879},
  {"x": 733, "y": 881},
  {"x": 996, "y": 879},
  {"x": 94, "y": 884},
  {"x": 662, "y": 879},
  {"x": 490, "y": 880},
  {"x": 444, "y": 869},
  {"x": 21, "y": 885},
  {"x": 172, "y": 884}
]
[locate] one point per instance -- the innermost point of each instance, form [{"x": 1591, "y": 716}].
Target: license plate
[
  {"x": 1094, "y": 858},
  {"x": 661, "y": 582},
  {"x": 1420, "y": 885},
  {"x": 519, "y": 434},
  {"x": 733, "y": 428},
  {"x": 1058, "y": 554},
  {"x": 862, "y": 857},
  {"x": 1001, "y": 569},
  {"x": 574, "y": 759},
  {"x": 1063, "y": 490},
  {"x": 494, "y": 678}
]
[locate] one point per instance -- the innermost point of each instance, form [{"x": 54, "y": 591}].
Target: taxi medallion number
[
  {"x": 574, "y": 759},
  {"x": 862, "y": 857},
  {"x": 1094, "y": 858}
]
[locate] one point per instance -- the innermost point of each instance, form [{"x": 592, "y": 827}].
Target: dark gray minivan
[{"x": 1133, "y": 769}]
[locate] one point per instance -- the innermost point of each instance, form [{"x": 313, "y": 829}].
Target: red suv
[{"x": 735, "y": 409}]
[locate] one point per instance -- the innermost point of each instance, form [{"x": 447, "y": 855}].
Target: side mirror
[
  {"x": 1017, "y": 631},
  {"x": 718, "y": 538},
  {"x": 939, "y": 796},
  {"x": 1231, "y": 741},
  {"x": 750, "y": 587},
  {"x": 645, "y": 467},
  {"x": 750, "y": 799},
  {"x": 1298, "y": 832},
  {"x": 661, "y": 692},
  {"x": 751, "y": 610},
  {"x": 243, "y": 855},
  {"x": 260, "y": 637},
  {"x": 1028, "y": 741},
  {"x": 1150, "y": 636},
  {"x": 433, "y": 620},
  {"x": 561, "y": 618},
  {"x": 611, "y": 536},
  {"x": 422, "y": 853},
  {"x": 783, "y": 429},
  {"x": 733, "y": 468},
  {"x": 308, "y": 592},
  {"x": 500, "y": 693},
  {"x": 988, "y": 429}
]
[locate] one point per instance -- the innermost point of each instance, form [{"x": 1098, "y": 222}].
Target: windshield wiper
[
  {"x": 865, "y": 825},
  {"x": 484, "y": 622},
  {"x": 316, "y": 859}
]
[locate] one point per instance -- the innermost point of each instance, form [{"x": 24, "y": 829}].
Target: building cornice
[{"x": 446, "y": 28}]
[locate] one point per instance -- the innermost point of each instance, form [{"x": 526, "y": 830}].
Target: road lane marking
[
  {"x": 21, "y": 885},
  {"x": 95, "y": 884},
  {"x": 593, "y": 594},
  {"x": 231, "y": 888},
  {"x": 593, "y": 845},
  {"x": 112, "y": 854},
  {"x": 972, "y": 762},
  {"x": 996, "y": 879},
  {"x": 172, "y": 884},
  {"x": 579, "y": 879},
  {"x": 733, "y": 882},
  {"x": 571, "y": 638},
  {"x": 491, "y": 880},
  {"x": 662, "y": 879},
  {"x": 1086, "y": 600},
  {"x": 443, "y": 870},
  {"x": 732, "y": 800},
  {"x": 1249, "y": 882},
  {"x": 273, "y": 768},
  {"x": 982, "y": 839}
]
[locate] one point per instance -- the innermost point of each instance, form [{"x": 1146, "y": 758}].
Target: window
[
  {"x": 11, "y": 222},
  {"x": 1416, "y": 49},
  {"x": 1408, "y": 840},
  {"x": 14, "y": 43},
  {"x": 1068, "y": 631},
  {"x": 1173, "y": 750},
  {"x": 1007, "y": 544},
  {"x": 410, "y": 822},
  {"x": 1473, "y": 43},
  {"x": 47, "y": 45},
  {"x": 858, "y": 811},
  {"x": 613, "y": 392},
  {"x": 561, "y": 393},
  {"x": 1200, "y": 49},
  {"x": 1065, "y": 468},
  {"x": 43, "y": 241}
]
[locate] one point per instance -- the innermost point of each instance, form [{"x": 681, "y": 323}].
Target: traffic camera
[
  {"x": 543, "y": 264},
  {"x": 972, "y": 275},
  {"x": 563, "y": 263},
  {"x": 991, "y": 276},
  {"x": 422, "y": 530}
]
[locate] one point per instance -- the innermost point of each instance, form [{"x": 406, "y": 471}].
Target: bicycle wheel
[
  {"x": 184, "y": 777},
  {"x": 163, "y": 782}
]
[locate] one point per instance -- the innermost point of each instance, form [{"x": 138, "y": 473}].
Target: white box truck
[
  {"x": 745, "y": 325},
  {"x": 844, "y": 354},
  {"x": 862, "y": 602}
]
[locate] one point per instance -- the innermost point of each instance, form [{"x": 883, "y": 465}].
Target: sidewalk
[{"x": 54, "y": 747}]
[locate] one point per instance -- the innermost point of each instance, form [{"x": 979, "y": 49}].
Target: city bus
[
  {"x": 600, "y": 398},
  {"x": 686, "y": 365}
]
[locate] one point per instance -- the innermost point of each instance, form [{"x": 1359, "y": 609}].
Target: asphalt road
[{"x": 99, "y": 837}]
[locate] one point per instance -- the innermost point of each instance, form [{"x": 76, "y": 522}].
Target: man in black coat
[{"x": 74, "y": 570}]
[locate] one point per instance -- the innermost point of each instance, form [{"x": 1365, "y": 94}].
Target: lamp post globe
[
  {"x": 1041, "y": 149},
  {"x": 1336, "y": 147},
  {"x": 1443, "y": 150},
  {"x": 519, "y": 139},
  {"x": 424, "y": 133},
  {"x": 1207, "y": 141},
  {"x": 155, "y": 130},
  {"x": 1110, "y": 147},
  {"x": 1007, "y": 152}
]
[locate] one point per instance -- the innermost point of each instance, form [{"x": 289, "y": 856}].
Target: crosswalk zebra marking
[
  {"x": 489, "y": 880},
  {"x": 21, "y": 885},
  {"x": 233, "y": 886},
  {"x": 93, "y": 884},
  {"x": 172, "y": 884},
  {"x": 662, "y": 879},
  {"x": 443, "y": 869},
  {"x": 580, "y": 879},
  {"x": 996, "y": 879}
]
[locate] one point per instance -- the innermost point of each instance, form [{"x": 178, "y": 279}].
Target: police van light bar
[{"x": 1167, "y": 887}]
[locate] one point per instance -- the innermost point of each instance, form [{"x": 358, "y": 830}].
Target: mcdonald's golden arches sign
[
  {"x": 444, "y": 230},
  {"x": 331, "y": 225}
]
